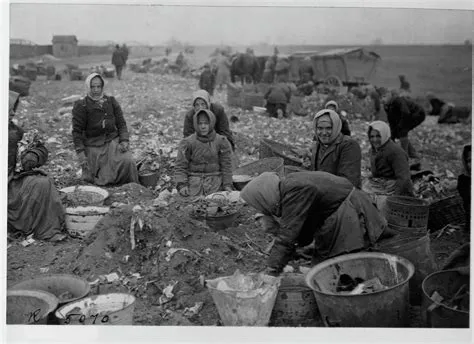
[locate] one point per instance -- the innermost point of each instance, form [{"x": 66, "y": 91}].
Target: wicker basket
[
  {"x": 407, "y": 213},
  {"x": 258, "y": 167},
  {"x": 445, "y": 211},
  {"x": 269, "y": 149}
]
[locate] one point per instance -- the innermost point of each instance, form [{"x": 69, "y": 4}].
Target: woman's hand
[
  {"x": 124, "y": 146},
  {"x": 29, "y": 161},
  {"x": 184, "y": 191}
]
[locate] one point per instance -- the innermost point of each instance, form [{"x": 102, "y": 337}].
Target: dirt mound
[{"x": 172, "y": 252}]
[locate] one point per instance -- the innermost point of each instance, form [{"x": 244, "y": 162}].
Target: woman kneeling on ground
[
  {"x": 334, "y": 152},
  {"x": 34, "y": 205},
  {"x": 314, "y": 205},
  {"x": 101, "y": 138},
  {"x": 204, "y": 162}
]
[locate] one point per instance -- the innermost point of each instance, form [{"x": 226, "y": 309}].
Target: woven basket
[
  {"x": 445, "y": 211},
  {"x": 258, "y": 167},
  {"x": 269, "y": 149}
]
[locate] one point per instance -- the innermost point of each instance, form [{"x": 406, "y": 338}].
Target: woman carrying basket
[{"x": 319, "y": 206}]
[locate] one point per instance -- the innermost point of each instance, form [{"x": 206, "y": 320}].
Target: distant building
[{"x": 65, "y": 46}]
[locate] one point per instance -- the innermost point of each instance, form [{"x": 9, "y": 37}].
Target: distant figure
[
  {"x": 207, "y": 80},
  {"x": 403, "y": 116},
  {"x": 180, "y": 60},
  {"x": 223, "y": 70},
  {"x": 118, "y": 60},
  {"x": 448, "y": 113},
  {"x": 126, "y": 52},
  {"x": 277, "y": 98},
  {"x": 404, "y": 84},
  {"x": 168, "y": 51}
]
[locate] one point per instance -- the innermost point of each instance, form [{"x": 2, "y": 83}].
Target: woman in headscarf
[
  {"x": 34, "y": 205},
  {"x": 315, "y": 206},
  {"x": 334, "y": 152},
  {"x": 204, "y": 163},
  {"x": 202, "y": 100},
  {"x": 101, "y": 138},
  {"x": 389, "y": 166},
  {"x": 464, "y": 184}
]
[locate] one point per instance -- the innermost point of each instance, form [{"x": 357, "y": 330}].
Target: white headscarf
[
  {"x": 88, "y": 86},
  {"x": 383, "y": 129}
]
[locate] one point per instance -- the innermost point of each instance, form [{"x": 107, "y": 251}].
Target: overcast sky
[{"x": 239, "y": 25}]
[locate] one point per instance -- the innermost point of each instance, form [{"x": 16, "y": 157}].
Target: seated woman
[
  {"x": 204, "y": 163},
  {"x": 101, "y": 138},
  {"x": 34, "y": 205},
  {"x": 464, "y": 184},
  {"x": 334, "y": 152},
  {"x": 314, "y": 206},
  {"x": 388, "y": 162}
]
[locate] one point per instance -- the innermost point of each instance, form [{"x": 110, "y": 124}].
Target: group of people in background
[{"x": 329, "y": 204}]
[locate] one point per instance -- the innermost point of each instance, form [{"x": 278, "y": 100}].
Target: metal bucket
[
  {"x": 407, "y": 213},
  {"x": 417, "y": 251},
  {"x": 148, "y": 179},
  {"x": 434, "y": 314},
  {"x": 221, "y": 222},
  {"x": 383, "y": 308},
  {"x": 245, "y": 308},
  {"x": 82, "y": 220},
  {"x": 106, "y": 309},
  {"x": 67, "y": 288},
  {"x": 295, "y": 303},
  {"x": 29, "y": 306}
]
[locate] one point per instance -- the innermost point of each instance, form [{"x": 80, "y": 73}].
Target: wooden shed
[{"x": 65, "y": 46}]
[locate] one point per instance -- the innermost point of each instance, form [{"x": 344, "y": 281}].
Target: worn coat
[
  {"x": 204, "y": 164},
  {"x": 222, "y": 122},
  {"x": 94, "y": 125},
  {"x": 342, "y": 158},
  {"x": 118, "y": 58},
  {"x": 279, "y": 93},
  {"x": 391, "y": 162},
  {"x": 34, "y": 206},
  {"x": 403, "y": 115},
  {"x": 309, "y": 207}
]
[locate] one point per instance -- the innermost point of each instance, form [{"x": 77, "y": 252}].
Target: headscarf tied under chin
[
  {"x": 382, "y": 128},
  {"x": 88, "y": 86},
  {"x": 263, "y": 193},
  {"x": 335, "y": 119}
]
